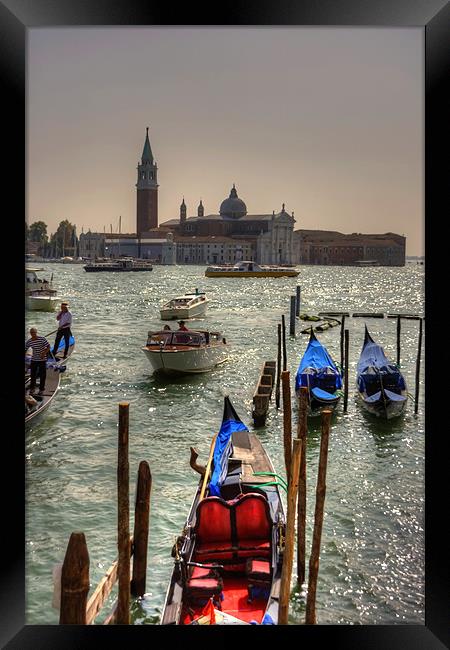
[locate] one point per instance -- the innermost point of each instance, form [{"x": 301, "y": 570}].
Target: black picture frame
[{"x": 16, "y": 16}]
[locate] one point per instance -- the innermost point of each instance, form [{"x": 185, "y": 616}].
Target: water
[{"x": 372, "y": 553}]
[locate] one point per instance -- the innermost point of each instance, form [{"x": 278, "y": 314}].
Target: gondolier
[
  {"x": 40, "y": 347},
  {"x": 65, "y": 322}
]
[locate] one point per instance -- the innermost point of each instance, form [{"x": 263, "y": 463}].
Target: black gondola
[{"x": 229, "y": 556}]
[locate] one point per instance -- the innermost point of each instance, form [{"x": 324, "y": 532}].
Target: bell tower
[{"x": 147, "y": 191}]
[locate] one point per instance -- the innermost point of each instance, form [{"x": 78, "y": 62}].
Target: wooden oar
[
  {"x": 50, "y": 333},
  {"x": 208, "y": 467}
]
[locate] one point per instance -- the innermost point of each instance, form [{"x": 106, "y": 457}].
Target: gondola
[
  {"x": 35, "y": 405},
  {"x": 381, "y": 387},
  {"x": 56, "y": 361},
  {"x": 319, "y": 374},
  {"x": 228, "y": 559}
]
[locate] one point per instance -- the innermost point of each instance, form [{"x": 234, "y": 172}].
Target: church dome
[{"x": 233, "y": 206}]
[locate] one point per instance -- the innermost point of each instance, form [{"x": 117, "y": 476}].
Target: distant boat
[
  {"x": 319, "y": 374},
  {"x": 381, "y": 387},
  {"x": 121, "y": 265},
  {"x": 185, "y": 352},
  {"x": 187, "y": 306},
  {"x": 248, "y": 269},
  {"x": 39, "y": 292},
  {"x": 228, "y": 559}
]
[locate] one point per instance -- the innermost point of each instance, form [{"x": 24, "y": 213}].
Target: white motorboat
[
  {"x": 39, "y": 292},
  {"x": 185, "y": 352},
  {"x": 190, "y": 305}
]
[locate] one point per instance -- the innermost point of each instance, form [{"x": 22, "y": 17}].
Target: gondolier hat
[
  {"x": 181, "y": 322},
  {"x": 65, "y": 303}
]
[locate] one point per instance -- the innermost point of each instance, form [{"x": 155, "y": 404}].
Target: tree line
[{"x": 62, "y": 242}]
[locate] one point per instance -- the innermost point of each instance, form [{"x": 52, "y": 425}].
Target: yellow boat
[{"x": 250, "y": 270}]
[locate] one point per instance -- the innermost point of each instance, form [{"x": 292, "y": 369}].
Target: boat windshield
[
  {"x": 156, "y": 338},
  {"x": 188, "y": 338}
]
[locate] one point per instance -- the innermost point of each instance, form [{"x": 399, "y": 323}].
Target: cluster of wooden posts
[
  {"x": 295, "y": 462},
  {"x": 75, "y": 608}
]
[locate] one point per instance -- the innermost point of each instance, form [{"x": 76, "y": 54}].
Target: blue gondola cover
[
  {"x": 316, "y": 356},
  {"x": 223, "y": 447}
]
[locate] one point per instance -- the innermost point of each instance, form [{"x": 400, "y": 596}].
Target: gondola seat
[
  {"x": 232, "y": 531},
  {"x": 204, "y": 583},
  {"x": 259, "y": 576}
]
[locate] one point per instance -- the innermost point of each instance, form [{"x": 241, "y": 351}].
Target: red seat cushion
[
  {"x": 253, "y": 519},
  {"x": 258, "y": 570},
  {"x": 213, "y": 522}
]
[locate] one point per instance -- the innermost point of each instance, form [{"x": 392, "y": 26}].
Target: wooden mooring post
[
  {"x": 74, "y": 582},
  {"x": 123, "y": 518},
  {"x": 286, "y": 572},
  {"x": 419, "y": 349},
  {"x": 277, "y": 387},
  {"x": 297, "y": 301},
  {"x": 283, "y": 338},
  {"x": 292, "y": 317},
  {"x": 302, "y": 428},
  {"x": 346, "y": 346},
  {"x": 141, "y": 526},
  {"x": 310, "y": 618},
  {"x": 399, "y": 325},
  {"x": 342, "y": 342},
  {"x": 287, "y": 420}
]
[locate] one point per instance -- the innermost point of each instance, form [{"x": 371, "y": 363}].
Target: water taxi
[
  {"x": 248, "y": 269},
  {"x": 185, "y": 351},
  {"x": 39, "y": 292},
  {"x": 189, "y": 305}
]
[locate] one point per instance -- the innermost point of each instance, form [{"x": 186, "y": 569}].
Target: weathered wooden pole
[
  {"x": 302, "y": 428},
  {"x": 288, "y": 557},
  {"x": 346, "y": 372},
  {"x": 277, "y": 387},
  {"x": 310, "y": 618},
  {"x": 287, "y": 420},
  {"x": 342, "y": 342},
  {"x": 74, "y": 582},
  {"x": 141, "y": 524},
  {"x": 399, "y": 321},
  {"x": 292, "y": 318},
  {"x": 416, "y": 396},
  {"x": 297, "y": 302},
  {"x": 123, "y": 518},
  {"x": 283, "y": 331}
]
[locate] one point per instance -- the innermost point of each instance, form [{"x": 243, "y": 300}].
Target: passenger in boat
[
  {"x": 167, "y": 327},
  {"x": 182, "y": 327},
  {"x": 65, "y": 321},
  {"x": 38, "y": 366}
]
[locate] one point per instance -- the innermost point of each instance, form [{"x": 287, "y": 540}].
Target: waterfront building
[
  {"x": 212, "y": 250},
  {"x": 331, "y": 248}
]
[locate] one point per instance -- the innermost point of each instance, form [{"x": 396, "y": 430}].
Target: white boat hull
[
  {"x": 41, "y": 303},
  {"x": 177, "y": 313},
  {"x": 194, "y": 361}
]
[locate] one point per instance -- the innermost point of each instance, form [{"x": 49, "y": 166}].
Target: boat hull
[
  {"x": 41, "y": 303},
  {"x": 386, "y": 409},
  {"x": 290, "y": 273},
  {"x": 177, "y": 313},
  {"x": 186, "y": 362}
]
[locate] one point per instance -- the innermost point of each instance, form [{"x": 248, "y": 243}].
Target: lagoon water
[{"x": 372, "y": 552}]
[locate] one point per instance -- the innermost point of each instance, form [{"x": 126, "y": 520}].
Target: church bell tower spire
[{"x": 147, "y": 191}]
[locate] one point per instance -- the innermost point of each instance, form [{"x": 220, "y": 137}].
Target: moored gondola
[
  {"x": 228, "y": 559},
  {"x": 320, "y": 375},
  {"x": 381, "y": 387}
]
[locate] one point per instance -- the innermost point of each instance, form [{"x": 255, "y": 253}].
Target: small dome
[{"x": 233, "y": 206}]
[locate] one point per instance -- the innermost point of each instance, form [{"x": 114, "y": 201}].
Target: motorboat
[
  {"x": 381, "y": 387},
  {"x": 229, "y": 557},
  {"x": 319, "y": 374},
  {"x": 190, "y": 305},
  {"x": 40, "y": 295},
  {"x": 248, "y": 269},
  {"x": 185, "y": 352},
  {"x": 121, "y": 264}
]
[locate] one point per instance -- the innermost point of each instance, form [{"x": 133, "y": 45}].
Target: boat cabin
[{"x": 193, "y": 339}]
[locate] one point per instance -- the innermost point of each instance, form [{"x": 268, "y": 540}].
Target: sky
[{"x": 328, "y": 120}]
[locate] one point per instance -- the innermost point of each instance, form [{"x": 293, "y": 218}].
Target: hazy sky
[{"x": 329, "y": 121}]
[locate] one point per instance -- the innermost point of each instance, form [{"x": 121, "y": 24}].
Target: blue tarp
[
  {"x": 316, "y": 356},
  {"x": 223, "y": 447},
  {"x": 62, "y": 343}
]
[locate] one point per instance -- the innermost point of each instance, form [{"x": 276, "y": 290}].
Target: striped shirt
[{"x": 38, "y": 346}]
